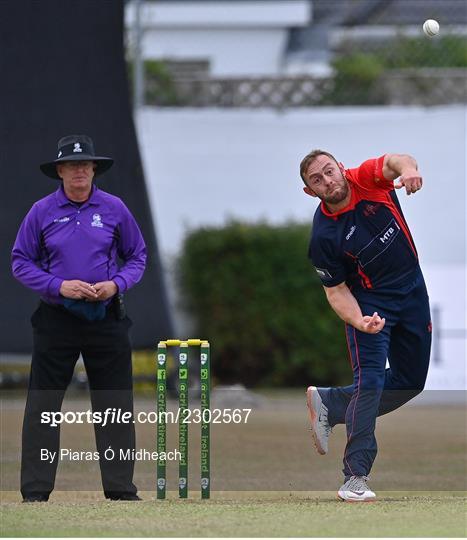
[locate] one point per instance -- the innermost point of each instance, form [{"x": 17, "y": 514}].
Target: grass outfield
[
  {"x": 420, "y": 448},
  {"x": 238, "y": 514},
  {"x": 267, "y": 479}
]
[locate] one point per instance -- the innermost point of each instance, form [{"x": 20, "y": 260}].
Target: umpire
[{"x": 80, "y": 248}]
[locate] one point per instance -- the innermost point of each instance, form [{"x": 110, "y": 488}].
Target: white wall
[
  {"x": 253, "y": 13},
  {"x": 447, "y": 289},
  {"x": 205, "y": 166},
  {"x": 234, "y": 52},
  {"x": 238, "y": 38}
]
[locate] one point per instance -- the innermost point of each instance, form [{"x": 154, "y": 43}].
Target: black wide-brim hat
[{"x": 76, "y": 148}]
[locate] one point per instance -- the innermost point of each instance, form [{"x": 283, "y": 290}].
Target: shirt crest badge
[
  {"x": 371, "y": 209},
  {"x": 96, "y": 221}
]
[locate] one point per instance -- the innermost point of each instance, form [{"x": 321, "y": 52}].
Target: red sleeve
[{"x": 370, "y": 175}]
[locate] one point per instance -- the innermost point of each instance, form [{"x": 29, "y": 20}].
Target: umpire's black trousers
[{"x": 58, "y": 339}]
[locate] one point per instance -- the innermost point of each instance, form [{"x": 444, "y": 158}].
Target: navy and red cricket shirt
[
  {"x": 61, "y": 240},
  {"x": 367, "y": 244}
]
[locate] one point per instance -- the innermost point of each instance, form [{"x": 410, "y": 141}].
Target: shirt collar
[{"x": 62, "y": 199}]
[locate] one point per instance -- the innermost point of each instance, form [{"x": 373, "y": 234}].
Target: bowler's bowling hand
[
  {"x": 373, "y": 324},
  {"x": 78, "y": 290},
  {"x": 105, "y": 289},
  {"x": 411, "y": 180}
]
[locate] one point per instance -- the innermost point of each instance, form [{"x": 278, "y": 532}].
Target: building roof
[{"x": 389, "y": 12}]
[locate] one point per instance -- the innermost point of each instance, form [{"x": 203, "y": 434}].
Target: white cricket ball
[{"x": 430, "y": 27}]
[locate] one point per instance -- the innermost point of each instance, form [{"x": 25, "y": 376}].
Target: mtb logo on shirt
[
  {"x": 379, "y": 244},
  {"x": 96, "y": 221},
  {"x": 388, "y": 235}
]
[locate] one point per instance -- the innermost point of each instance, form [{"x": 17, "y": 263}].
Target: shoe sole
[
  {"x": 369, "y": 500},
  {"x": 313, "y": 418}
]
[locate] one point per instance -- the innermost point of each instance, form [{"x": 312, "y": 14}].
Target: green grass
[
  {"x": 267, "y": 480},
  {"x": 256, "y": 515}
]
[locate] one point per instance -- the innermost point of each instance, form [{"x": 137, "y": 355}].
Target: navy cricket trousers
[{"x": 405, "y": 342}]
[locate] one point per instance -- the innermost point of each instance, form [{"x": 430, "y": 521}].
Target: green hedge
[
  {"x": 159, "y": 86},
  {"x": 253, "y": 293},
  {"x": 357, "y": 71}
]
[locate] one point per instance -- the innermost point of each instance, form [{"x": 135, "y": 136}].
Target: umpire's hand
[
  {"x": 105, "y": 289},
  {"x": 78, "y": 290}
]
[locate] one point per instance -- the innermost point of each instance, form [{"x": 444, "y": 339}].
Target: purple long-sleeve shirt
[{"x": 60, "y": 240}]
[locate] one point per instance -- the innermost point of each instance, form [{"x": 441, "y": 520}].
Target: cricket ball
[{"x": 430, "y": 27}]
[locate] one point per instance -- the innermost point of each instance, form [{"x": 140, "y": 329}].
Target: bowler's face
[
  {"x": 76, "y": 174},
  {"x": 325, "y": 179}
]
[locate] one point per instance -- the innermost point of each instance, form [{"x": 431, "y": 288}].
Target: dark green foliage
[
  {"x": 254, "y": 294},
  {"x": 448, "y": 51},
  {"x": 357, "y": 71},
  {"x": 159, "y": 86},
  {"x": 354, "y": 80}
]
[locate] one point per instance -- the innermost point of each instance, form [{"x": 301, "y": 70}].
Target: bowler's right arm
[{"x": 344, "y": 303}]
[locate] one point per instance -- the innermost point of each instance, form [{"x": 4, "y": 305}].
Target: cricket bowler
[{"x": 365, "y": 256}]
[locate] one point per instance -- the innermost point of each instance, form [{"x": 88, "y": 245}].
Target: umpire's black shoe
[
  {"x": 124, "y": 497},
  {"x": 38, "y": 497}
]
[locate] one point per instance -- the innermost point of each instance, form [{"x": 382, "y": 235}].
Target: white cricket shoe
[
  {"x": 356, "y": 490},
  {"x": 320, "y": 428}
]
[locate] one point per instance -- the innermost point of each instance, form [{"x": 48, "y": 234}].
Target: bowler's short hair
[{"x": 309, "y": 158}]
